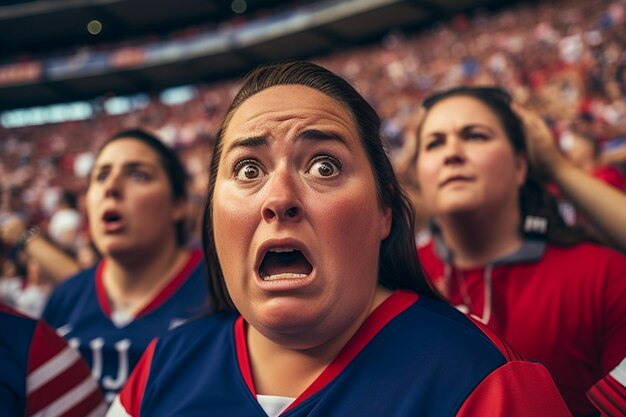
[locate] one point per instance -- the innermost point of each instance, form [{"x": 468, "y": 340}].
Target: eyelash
[
  {"x": 326, "y": 158},
  {"x": 317, "y": 158},
  {"x": 241, "y": 164}
]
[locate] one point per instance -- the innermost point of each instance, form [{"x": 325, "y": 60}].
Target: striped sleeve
[
  {"x": 59, "y": 383},
  {"x": 609, "y": 394}
]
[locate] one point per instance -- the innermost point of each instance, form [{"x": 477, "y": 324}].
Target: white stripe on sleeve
[
  {"x": 69, "y": 399},
  {"x": 50, "y": 369}
]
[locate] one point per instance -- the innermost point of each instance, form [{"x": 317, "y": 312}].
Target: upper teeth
[{"x": 282, "y": 250}]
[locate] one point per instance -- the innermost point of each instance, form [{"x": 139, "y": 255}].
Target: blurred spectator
[
  {"x": 65, "y": 223},
  {"x": 563, "y": 58},
  {"x": 147, "y": 281},
  {"x": 584, "y": 151}
]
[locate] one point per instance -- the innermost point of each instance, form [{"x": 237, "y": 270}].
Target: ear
[
  {"x": 385, "y": 224},
  {"x": 521, "y": 168}
]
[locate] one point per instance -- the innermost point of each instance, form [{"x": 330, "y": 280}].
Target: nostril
[
  {"x": 292, "y": 212},
  {"x": 269, "y": 214}
]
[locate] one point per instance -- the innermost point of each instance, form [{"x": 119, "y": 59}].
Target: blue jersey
[
  {"x": 413, "y": 356},
  {"x": 80, "y": 311}
]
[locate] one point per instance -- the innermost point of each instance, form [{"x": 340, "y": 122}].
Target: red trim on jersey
[
  {"x": 195, "y": 257},
  {"x": 131, "y": 395},
  {"x": 516, "y": 389},
  {"x": 383, "y": 314},
  {"x": 509, "y": 353},
  {"x": 242, "y": 354},
  {"x": 101, "y": 292},
  {"x": 5, "y": 308},
  {"x": 608, "y": 396}
]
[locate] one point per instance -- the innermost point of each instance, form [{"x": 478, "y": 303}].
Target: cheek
[
  {"x": 232, "y": 222},
  {"x": 425, "y": 172},
  {"x": 350, "y": 224},
  {"x": 153, "y": 206},
  {"x": 499, "y": 168},
  {"x": 91, "y": 205}
]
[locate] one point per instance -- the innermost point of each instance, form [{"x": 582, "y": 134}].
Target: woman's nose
[
  {"x": 454, "y": 151},
  {"x": 281, "y": 202},
  {"x": 112, "y": 186}
]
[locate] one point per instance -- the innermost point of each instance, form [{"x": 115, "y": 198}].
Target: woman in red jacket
[{"x": 501, "y": 252}]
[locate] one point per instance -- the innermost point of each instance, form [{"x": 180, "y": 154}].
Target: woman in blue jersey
[
  {"x": 324, "y": 310},
  {"x": 147, "y": 281}
]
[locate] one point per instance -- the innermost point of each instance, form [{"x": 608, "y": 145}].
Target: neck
[
  {"x": 478, "y": 239},
  {"x": 279, "y": 370},
  {"x": 131, "y": 282},
  {"x": 283, "y": 370}
]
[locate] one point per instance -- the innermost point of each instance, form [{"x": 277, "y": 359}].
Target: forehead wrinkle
[{"x": 273, "y": 118}]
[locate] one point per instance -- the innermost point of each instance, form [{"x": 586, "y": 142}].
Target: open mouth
[
  {"x": 284, "y": 264},
  {"x": 113, "y": 221},
  {"x": 111, "y": 217}
]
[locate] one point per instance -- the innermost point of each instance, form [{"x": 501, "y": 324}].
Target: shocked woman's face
[
  {"x": 297, "y": 222},
  {"x": 129, "y": 200}
]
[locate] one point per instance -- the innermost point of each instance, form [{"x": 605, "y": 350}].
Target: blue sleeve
[
  {"x": 15, "y": 340},
  {"x": 49, "y": 313}
]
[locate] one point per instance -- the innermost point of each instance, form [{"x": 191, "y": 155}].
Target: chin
[
  {"x": 117, "y": 249},
  {"x": 459, "y": 207},
  {"x": 286, "y": 316}
]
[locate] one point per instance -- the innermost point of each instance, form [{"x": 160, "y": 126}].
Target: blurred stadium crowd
[{"x": 565, "y": 59}]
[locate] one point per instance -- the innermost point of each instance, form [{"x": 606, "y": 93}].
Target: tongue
[{"x": 292, "y": 263}]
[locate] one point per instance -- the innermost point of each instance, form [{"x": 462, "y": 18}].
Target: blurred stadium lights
[
  {"x": 94, "y": 27},
  {"x": 178, "y": 95},
  {"x": 79, "y": 110},
  {"x": 124, "y": 104},
  {"x": 82, "y": 110},
  {"x": 239, "y": 6}
]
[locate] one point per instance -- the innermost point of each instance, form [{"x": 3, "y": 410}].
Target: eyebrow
[
  {"x": 125, "y": 165},
  {"x": 464, "y": 129},
  {"x": 315, "y": 135},
  {"x": 312, "y": 135},
  {"x": 476, "y": 126},
  {"x": 250, "y": 142}
]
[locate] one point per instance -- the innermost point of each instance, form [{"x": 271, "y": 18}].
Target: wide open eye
[
  {"x": 325, "y": 167},
  {"x": 247, "y": 170}
]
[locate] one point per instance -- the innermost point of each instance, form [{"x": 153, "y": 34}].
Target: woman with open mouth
[
  {"x": 312, "y": 264},
  {"x": 147, "y": 281}
]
